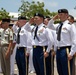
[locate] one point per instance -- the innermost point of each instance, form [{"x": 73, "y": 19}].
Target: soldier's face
[
  {"x": 62, "y": 16},
  {"x": 38, "y": 20},
  {"x": 5, "y": 24}
]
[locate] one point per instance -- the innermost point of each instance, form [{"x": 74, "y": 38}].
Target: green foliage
[
  {"x": 4, "y": 14},
  {"x": 29, "y": 9}
]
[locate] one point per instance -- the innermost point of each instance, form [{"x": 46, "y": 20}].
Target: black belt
[
  {"x": 63, "y": 47},
  {"x": 21, "y": 47}
]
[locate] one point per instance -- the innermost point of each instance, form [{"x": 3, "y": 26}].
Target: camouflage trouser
[{"x": 5, "y": 63}]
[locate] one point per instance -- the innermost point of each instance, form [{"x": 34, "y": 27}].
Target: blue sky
[{"x": 52, "y": 5}]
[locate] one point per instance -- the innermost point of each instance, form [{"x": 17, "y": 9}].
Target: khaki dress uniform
[{"x": 6, "y": 36}]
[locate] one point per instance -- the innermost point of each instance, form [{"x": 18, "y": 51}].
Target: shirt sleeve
[
  {"x": 29, "y": 42},
  {"x": 49, "y": 36},
  {"x": 73, "y": 39}
]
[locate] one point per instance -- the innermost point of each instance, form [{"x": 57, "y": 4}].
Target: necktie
[
  {"x": 59, "y": 32},
  {"x": 18, "y": 36},
  {"x": 35, "y": 33}
]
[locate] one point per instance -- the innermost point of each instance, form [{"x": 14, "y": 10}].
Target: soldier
[
  {"x": 24, "y": 46},
  {"x": 71, "y": 21},
  {"x": 50, "y": 58},
  {"x": 6, "y": 46},
  {"x": 1, "y": 30},
  {"x": 65, "y": 43},
  {"x": 42, "y": 41}
]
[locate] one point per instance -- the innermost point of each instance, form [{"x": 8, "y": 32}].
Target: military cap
[
  {"x": 62, "y": 11},
  {"x": 21, "y": 18},
  {"x": 5, "y": 20},
  {"x": 10, "y": 24},
  {"x": 38, "y": 14}
]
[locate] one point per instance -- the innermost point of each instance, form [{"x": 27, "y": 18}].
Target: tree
[
  {"x": 29, "y": 9},
  {"x": 4, "y": 14}
]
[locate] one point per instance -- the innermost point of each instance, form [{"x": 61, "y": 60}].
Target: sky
[{"x": 52, "y": 5}]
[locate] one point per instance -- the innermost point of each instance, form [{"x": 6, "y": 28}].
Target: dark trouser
[
  {"x": 50, "y": 65},
  {"x": 62, "y": 62},
  {"x": 38, "y": 61},
  {"x": 20, "y": 60}
]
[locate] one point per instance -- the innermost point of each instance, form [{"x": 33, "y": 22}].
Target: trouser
[
  {"x": 62, "y": 61},
  {"x": 49, "y": 64},
  {"x": 5, "y": 63},
  {"x": 12, "y": 61},
  {"x": 20, "y": 60},
  {"x": 38, "y": 61},
  {"x": 31, "y": 67},
  {"x": 74, "y": 66}
]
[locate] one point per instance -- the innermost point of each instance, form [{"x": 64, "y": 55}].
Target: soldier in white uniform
[
  {"x": 24, "y": 46},
  {"x": 1, "y": 30},
  {"x": 42, "y": 41},
  {"x": 71, "y": 21},
  {"x": 65, "y": 43},
  {"x": 6, "y": 46}
]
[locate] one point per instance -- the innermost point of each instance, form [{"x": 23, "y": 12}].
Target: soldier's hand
[
  {"x": 53, "y": 53},
  {"x": 69, "y": 57},
  {"x": 31, "y": 21},
  {"x": 46, "y": 54},
  {"x": 55, "y": 17},
  {"x": 27, "y": 54},
  {"x": 7, "y": 54}
]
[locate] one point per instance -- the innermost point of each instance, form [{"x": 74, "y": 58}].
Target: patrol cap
[
  {"x": 62, "y": 11},
  {"x": 10, "y": 24},
  {"x": 5, "y": 20},
  {"x": 38, "y": 14},
  {"x": 21, "y": 18}
]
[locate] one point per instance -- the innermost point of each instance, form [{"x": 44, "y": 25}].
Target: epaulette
[{"x": 44, "y": 26}]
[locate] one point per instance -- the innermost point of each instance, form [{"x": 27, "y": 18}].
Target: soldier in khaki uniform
[{"x": 6, "y": 45}]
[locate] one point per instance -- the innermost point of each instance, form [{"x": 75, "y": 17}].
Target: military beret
[
  {"x": 21, "y": 18},
  {"x": 5, "y": 20},
  {"x": 10, "y": 24},
  {"x": 62, "y": 11},
  {"x": 38, "y": 14}
]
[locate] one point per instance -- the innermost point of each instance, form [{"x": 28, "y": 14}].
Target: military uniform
[
  {"x": 41, "y": 43},
  {"x": 23, "y": 44},
  {"x": 1, "y": 30},
  {"x": 66, "y": 43},
  {"x": 7, "y": 35}
]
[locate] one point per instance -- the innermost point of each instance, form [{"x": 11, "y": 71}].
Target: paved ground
[{"x": 16, "y": 71}]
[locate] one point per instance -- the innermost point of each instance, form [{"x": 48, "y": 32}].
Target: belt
[
  {"x": 34, "y": 46},
  {"x": 59, "y": 48},
  {"x": 21, "y": 47}
]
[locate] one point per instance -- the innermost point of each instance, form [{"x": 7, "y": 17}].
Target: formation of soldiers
[{"x": 45, "y": 38}]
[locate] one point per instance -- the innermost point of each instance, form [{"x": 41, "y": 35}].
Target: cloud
[{"x": 51, "y": 4}]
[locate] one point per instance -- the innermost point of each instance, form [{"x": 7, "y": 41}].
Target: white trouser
[
  {"x": 31, "y": 67},
  {"x": 12, "y": 60}
]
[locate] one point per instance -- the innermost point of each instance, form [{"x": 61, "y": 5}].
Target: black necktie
[
  {"x": 59, "y": 32},
  {"x": 18, "y": 36},
  {"x": 35, "y": 33}
]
